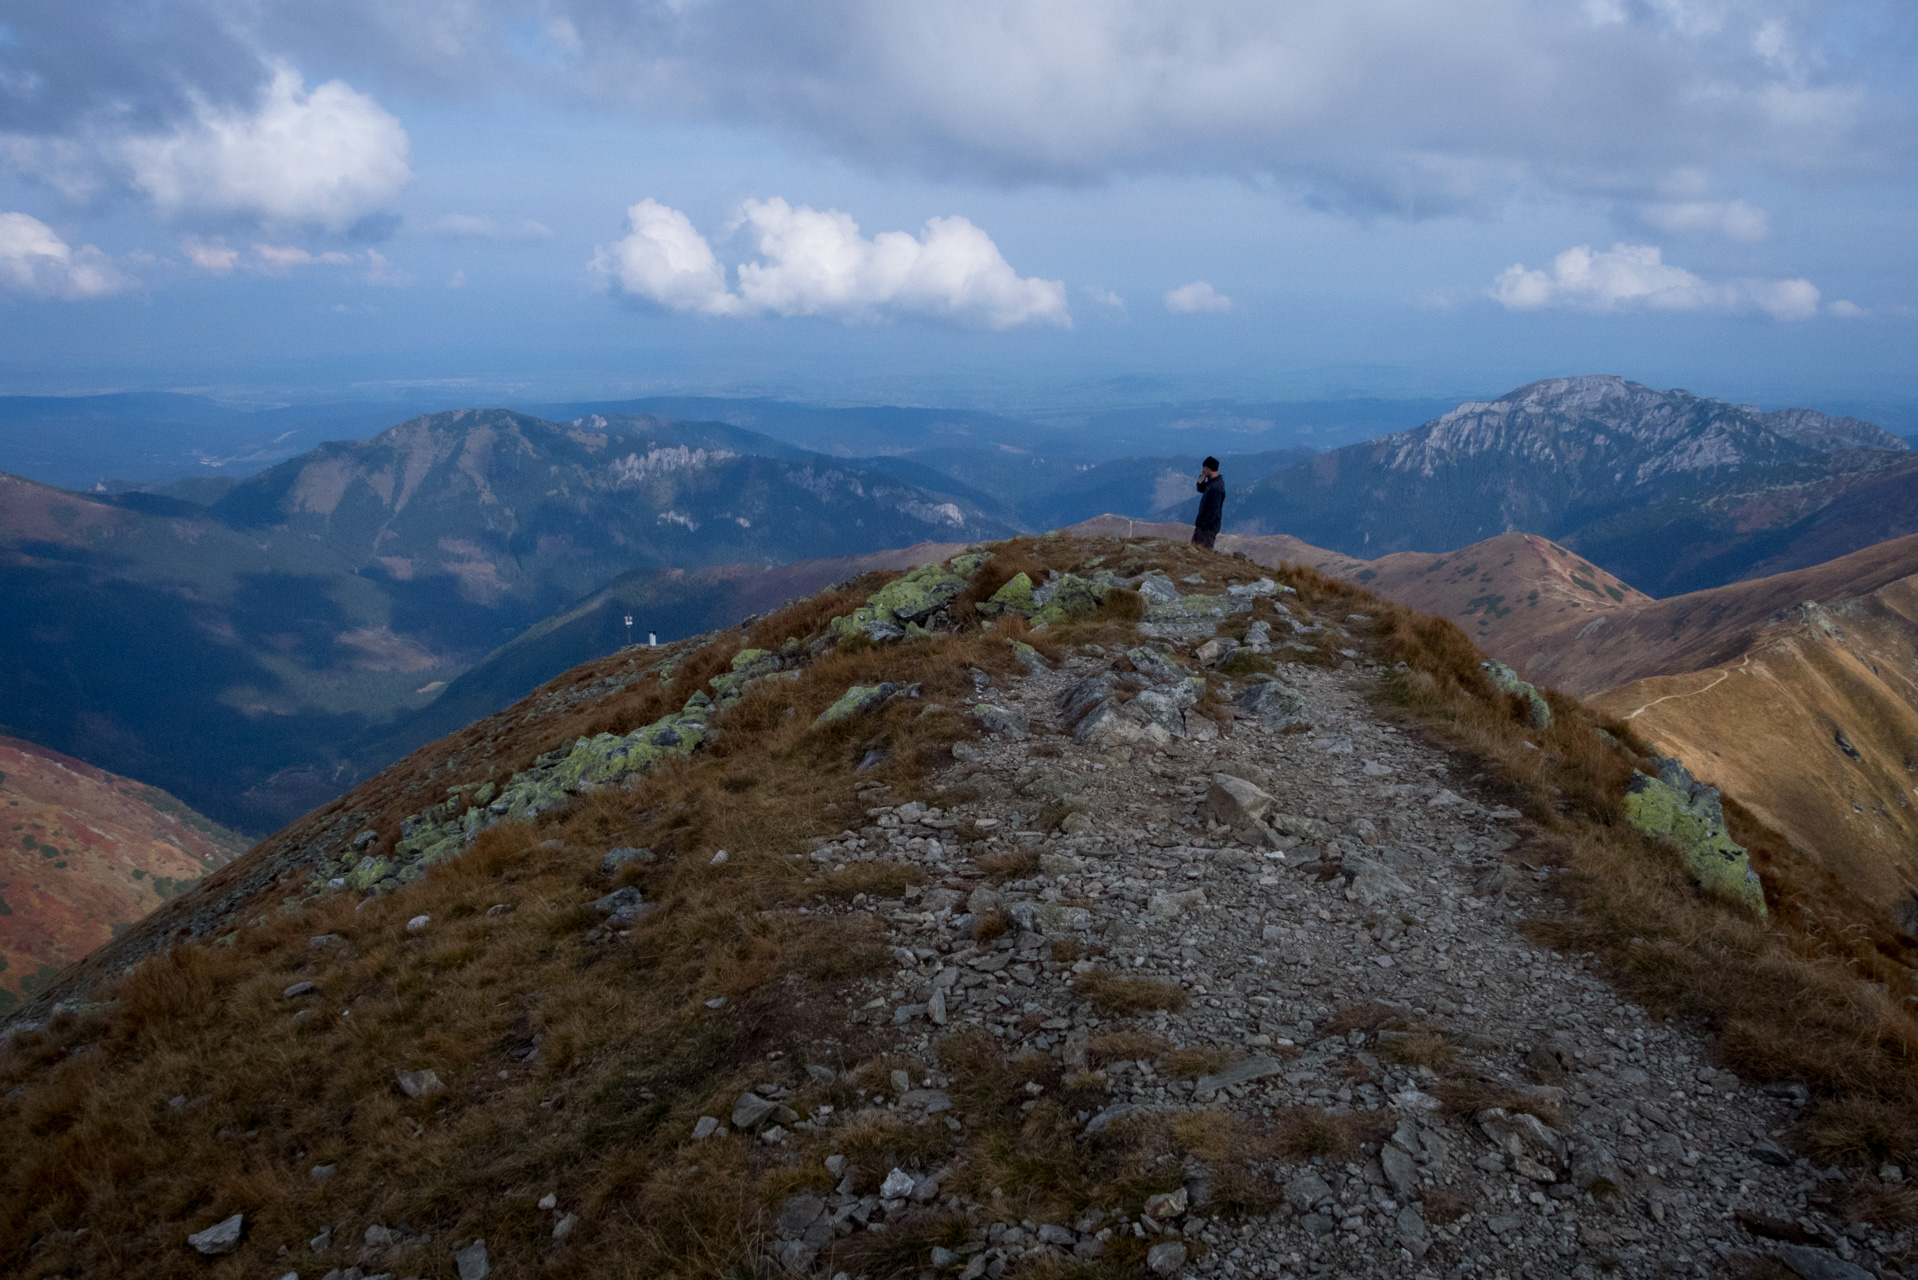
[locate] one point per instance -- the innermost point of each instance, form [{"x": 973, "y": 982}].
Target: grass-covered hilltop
[{"x": 1076, "y": 906}]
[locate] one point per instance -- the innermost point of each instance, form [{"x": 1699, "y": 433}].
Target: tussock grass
[
  {"x": 1307, "y": 1133},
  {"x": 1117, "y": 996},
  {"x": 1201, "y": 1060},
  {"x": 1126, "y": 1045}
]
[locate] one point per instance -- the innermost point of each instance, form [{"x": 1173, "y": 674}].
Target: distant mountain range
[
  {"x": 253, "y": 645},
  {"x": 1555, "y": 458},
  {"x": 233, "y": 653}
]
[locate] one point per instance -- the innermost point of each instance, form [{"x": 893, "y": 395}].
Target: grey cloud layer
[{"x": 1403, "y": 105}]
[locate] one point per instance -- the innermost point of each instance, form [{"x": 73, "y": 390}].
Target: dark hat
[{"x": 1212, "y": 464}]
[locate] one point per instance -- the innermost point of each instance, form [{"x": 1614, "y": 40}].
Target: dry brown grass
[
  {"x": 1307, "y": 1133},
  {"x": 1128, "y": 1045},
  {"x": 1114, "y": 995},
  {"x": 1200, "y": 1060},
  {"x": 1013, "y": 864},
  {"x": 1419, "y": 1048}
]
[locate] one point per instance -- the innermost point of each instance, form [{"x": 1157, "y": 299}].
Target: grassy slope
[
  {"x": 84, "y": 853},
  {"x": 629, "y": 1050}
]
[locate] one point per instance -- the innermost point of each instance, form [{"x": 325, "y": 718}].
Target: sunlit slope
[
  {"x": 1815, "y": 725},
  {"x": 83, "y": 853}
]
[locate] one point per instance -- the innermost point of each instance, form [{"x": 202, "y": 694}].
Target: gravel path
[{"x": 1395, "y": 885}]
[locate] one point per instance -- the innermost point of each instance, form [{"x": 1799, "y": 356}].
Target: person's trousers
[{"x": 1204, "y": 537}]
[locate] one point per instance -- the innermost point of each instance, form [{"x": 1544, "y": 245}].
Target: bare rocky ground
[{"x": 1328, "y": 969}]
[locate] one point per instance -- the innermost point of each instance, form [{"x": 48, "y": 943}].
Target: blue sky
[{"x": 984, "y": 202}]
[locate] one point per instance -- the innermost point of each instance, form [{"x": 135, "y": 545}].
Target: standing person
[{"x": 1205, "y": 529}]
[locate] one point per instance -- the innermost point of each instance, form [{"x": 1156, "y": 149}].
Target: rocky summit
[{"x": 1077, "y": 906}]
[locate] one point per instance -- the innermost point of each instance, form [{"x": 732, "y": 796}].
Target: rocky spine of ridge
[{"x": 1275, "y": 950}]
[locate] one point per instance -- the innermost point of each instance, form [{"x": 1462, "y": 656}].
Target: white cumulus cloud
[
  {"x": 36, "y": 262},
  {"x": 817, "y": 263},
  {"x": 1197, "y": 296},
  {"x": 326, "y": 158},
  {"x": 1732, "y": 219},
  {"x": 1633, "y": 276}
]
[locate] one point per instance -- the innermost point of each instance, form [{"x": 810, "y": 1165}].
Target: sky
[{"x": 965, "y": 201}]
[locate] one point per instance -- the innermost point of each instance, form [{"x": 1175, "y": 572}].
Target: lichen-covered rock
[
  {"x": 442, "y": 831},
  {"x": 1067, "y": 594},
  {"x": 970, "y": 562},
  {"x": 748, "y": 665},
  {"x": 1154, "y": 665},
  {"x": 1538, "y": 712},
  {"x": 1679, "y": 808},
  {"x": 1015, "y": 596},
  {"x": 1273, "y": 705},
  {"x": 890, "y": 612},
  {"x": 863, "y": 697}
]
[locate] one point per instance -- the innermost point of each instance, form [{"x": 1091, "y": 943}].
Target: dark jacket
[{"x": 1211, "y": 505}]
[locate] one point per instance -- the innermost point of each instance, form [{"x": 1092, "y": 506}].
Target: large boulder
[{"x": 1675, "y": 806}]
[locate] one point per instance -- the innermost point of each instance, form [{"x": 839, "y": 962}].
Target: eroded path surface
[{"x": 1375, "y": 967}]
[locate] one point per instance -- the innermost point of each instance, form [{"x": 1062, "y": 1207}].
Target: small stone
[
  {"x": 300, "y": 989},
  {"x": 704, "y": 1128},
  {"x": 1399, "y": 1171},
  {"x": 751, "y": 1109},
  {"x": 1166, "y": 1205},
  {"x": 418, "y": 924},
  {"x": 472, "y": 1261},
  {"x": 1050, "y": 1233},
  {"x": 821, "y": 1073},
  {"x": 419, "y": 1084},
  {"x": 1306, "y": 1191},
  {"x": 1165, "y": 1259},
  {"x": 378, "y": 1236},
  {"x": 719, "y": 859},
  {"x": 219, "y": 1238},
  {"x": 321, "y": 1242},
  {"x": 548, "y": 1201},
  {"x": 564, "y": 1227},
  {"x": 1769, "y": 1152},
  {"x": 897, "y": 1186},
  {"x": 321, "y": 1172},
  {"x": 1414, "y": 1236}
]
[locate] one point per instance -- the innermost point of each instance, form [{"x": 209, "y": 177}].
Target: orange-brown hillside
[{"x": 85, "y": 852}]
